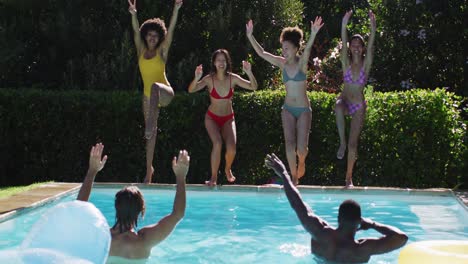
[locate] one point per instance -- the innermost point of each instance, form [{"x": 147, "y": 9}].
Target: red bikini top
[{"x": 215, "y": 94}]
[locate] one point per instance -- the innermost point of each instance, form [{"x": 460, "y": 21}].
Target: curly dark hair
[
  {"x": 154, "y": 24},
  {"x": 226, "y": 56},
  {"x": 292, "y": 34},
  {"x": 129, "y": 204}
]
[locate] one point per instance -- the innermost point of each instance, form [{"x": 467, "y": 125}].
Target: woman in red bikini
[
  {"x": 219, "y": 119},
  {"x": 356, "y": 62}
]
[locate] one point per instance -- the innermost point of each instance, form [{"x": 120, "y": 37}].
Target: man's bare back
[{"x": 338, "y": 244}]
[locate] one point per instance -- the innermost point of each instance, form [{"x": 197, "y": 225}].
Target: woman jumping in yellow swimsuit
[{"x": 152, "y": 41}]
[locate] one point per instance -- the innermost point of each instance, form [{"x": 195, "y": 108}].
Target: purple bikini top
[{"x": 348, "y": 77}]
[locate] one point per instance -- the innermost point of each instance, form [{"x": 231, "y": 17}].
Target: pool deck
[
  {"x": 45, "y": 193},
  {"x": 35, "y": 197}
]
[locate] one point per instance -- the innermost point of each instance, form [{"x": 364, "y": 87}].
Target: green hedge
[{"x": 410, "y": 139}]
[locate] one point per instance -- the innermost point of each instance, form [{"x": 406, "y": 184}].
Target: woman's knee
[
  {"x": 352, "y": 145},
  {"x": 165, "y": 93},
  {"x": 302, "y": 152},
  {"x": 290, "y": 144},
  {"x": 217, "y": 144},
  {"x": 230, "y": 149}
]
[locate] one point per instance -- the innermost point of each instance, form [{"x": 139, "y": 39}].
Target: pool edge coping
[{"x": 458, "y": 195}]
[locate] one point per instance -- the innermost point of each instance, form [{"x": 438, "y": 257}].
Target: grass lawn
[{"x": 9, "y": 191}]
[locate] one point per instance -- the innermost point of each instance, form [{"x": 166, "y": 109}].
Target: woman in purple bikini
[{"x": 356, "y": 62}]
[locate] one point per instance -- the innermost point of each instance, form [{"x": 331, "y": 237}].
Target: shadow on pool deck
[{"x": 14, "y": 204}]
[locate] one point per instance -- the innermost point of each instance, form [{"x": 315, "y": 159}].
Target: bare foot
[
  {"x": 230, "y": 178},
  {"x": 349, "y": 184},
  {"x": 341, "y": 151},
  {"x": 300, "y": 170},
  {"x": 295, "y": 180},
  {"x": 149, "y": 176},
  {"x": 210, "y": 183}
]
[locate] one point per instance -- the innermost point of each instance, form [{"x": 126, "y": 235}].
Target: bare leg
[
  {"x": 340, "y": 111},
  {"x": 161, "y": 95},
  {"x": 151, "y": 120},
  {"x": 357, "y": 123},
  {"x": 150, "y": 144},
  {"x": 289, "y": 129},
  {"x": 303, "y": 129},
  {"x": 229, "y": 135},
  {"x": 216, "y": 140}
]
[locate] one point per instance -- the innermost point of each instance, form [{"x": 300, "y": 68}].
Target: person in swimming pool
[
  {"x": 219, "y": 119},
  {"x": 128, "y": 242},
  {"x": 152, "y": 42},
  {"x": 338, "y": 244},
  {"x": 296, "y": 113},
  {"x": 356, "y": 62}
]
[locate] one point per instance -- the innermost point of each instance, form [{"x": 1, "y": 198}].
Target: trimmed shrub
[{"x": 410, "y": 139}]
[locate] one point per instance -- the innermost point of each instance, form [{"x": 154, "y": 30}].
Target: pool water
[{"x": 258, "y": 227}]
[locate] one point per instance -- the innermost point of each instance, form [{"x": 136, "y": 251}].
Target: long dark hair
[
  {"x": 129, "y": 204},
  {"x": 226, "y": 56}
]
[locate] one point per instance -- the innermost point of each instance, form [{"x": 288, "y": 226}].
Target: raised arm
[
  {"x": 156, "y": 233},
  {"x": 136, "y": 27},
  {"x": 170, "y": 31},
  {"x": 314, "y": 28},
  {"x": 275, "y": 60},
  {"x": 197, "y": 85},
  {"x": 370, "y": 44},
  {"x": 393, "y": 237},
  {"x": 344, "y": 41},
  {"x": 95, "y": 165},
  {"x": 241, "y": 82},
  {"x": 311, "y": 222}
]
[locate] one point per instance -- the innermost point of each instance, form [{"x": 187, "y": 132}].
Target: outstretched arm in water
[
  {"x": 96, "y": 163},
  {"x": 154, "y": 234},
  {"x": 316, "y": 226}
]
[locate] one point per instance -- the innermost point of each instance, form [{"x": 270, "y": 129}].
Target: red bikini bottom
[{"x": 220, "y": 120}]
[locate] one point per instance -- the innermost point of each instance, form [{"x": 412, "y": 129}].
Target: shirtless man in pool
[
  {"x": 338, "y": 244},
  {"x": 127, "y": 242}
]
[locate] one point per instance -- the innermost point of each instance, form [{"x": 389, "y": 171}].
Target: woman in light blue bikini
[
  {"x": 356, "y": 63},
  {"x": 296, "y": 114}
]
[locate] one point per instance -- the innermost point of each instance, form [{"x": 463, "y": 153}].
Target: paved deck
[{"x": 35, "y": 196}]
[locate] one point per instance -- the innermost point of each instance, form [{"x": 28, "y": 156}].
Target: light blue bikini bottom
[{"x": 296, "y": 111}]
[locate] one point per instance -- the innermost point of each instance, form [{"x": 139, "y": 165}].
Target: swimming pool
[{"x": 247, "y": 227}]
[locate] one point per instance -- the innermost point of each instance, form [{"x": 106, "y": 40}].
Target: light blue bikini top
[{"x": 300, "y": 76}]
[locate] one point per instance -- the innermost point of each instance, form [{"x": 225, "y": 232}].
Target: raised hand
[
  {"x": 199, "y": 72},
  {"x": 246, "y": 66},
  {"x": 372, "y": 20},
  {"x": 177, "y": 4},
  {"x": 249, "y": 28},
  {"x": 316, "y": 25},
  {"x": 346, "y": 17},
  {"x": 180, "y": 165},
  {"x": 95, "y": 162},
  {"x": 274, "y": 163},
  {"x": 132, "y": 7}
]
